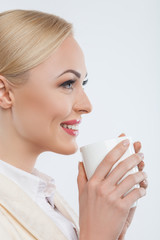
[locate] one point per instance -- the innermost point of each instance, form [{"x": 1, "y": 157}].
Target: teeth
[{"x": 73, "y": 127}]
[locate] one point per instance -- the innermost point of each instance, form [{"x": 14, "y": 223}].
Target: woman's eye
[
  {"x": 85, "y": 82},
  {"x": 68, "y": 84}
]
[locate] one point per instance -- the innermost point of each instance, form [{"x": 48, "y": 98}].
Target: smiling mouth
[{"x": 71, "y": 127}]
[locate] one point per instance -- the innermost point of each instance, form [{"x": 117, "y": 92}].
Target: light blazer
[{"x": 22, "y": 219}]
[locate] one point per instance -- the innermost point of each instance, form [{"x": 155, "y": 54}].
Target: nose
[{"x": 82, "y": 104}]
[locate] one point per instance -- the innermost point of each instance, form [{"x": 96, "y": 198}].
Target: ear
[{"x": 6, "y": 100}]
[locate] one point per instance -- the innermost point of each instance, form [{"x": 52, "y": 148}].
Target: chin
[
  {"x": 65, "y": 150},
  {"x": 69, "y": 150}
]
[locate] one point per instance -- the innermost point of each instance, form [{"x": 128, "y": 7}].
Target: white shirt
[{"x": 40, "y": 187}]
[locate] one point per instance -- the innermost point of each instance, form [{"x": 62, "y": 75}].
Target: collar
[{"x": 34, "y": 184}]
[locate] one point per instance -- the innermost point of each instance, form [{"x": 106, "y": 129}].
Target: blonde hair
[{"x": 27, "y": 38}]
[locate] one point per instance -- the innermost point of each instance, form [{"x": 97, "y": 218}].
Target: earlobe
[{"x": 5, "y": 99}]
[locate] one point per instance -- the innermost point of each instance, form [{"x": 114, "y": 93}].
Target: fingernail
[
  {"x": 126, "y": 142},
  {"x": 141, "y": 155},
  {"x": 145, "y": 182}
]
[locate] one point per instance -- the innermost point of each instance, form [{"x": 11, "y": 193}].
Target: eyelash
[{"x": 72, "y": 82}]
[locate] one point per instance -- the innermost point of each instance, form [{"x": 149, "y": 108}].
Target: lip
[
  {"x": 71, "y": 132},
  {"x": 72, "y": 122}
]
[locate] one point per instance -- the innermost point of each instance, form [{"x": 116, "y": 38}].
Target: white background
[{"x": 120, "y": 40}]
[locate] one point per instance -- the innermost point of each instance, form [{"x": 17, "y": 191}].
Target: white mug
[{"x": 94, "y": 153}]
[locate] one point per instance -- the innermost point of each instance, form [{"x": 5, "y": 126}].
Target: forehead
[
  {"x": 68, "y": 56},
  {"x": 69, "y": 49}
]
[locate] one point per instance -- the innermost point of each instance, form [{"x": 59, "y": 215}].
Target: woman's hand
[
  {"x": 103, "y": 209},
  {"x": 144, "y": 184}
]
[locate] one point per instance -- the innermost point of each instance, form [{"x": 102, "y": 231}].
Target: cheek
[
  {"x": 36, "y": 113},
  {"x": 28, "y": 117},
  {"x": 58, "y": 109}
]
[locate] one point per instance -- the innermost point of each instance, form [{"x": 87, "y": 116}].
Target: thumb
[{"x": 82, "y": 178}]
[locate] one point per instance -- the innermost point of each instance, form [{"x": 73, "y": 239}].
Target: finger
[
  {"x": 137, "y": 146},
  {"x": 123, "y": 167},
  {"x": 110, "y": 159},
  {"x": 127, "y": 224},
  {"x": 82, "y": 178},
  {"x": 129, "y": 182},
  {"x": 123, "y": 233},
  {"x": 144, "y": 184},
  {"x": 141, "y": 166},
  {"x": 133, "y": 196},
  {"x": 131, "y": 214},
  {"x": 122, "y": 135}
]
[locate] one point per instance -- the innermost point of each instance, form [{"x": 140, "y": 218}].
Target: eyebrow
[{"x": 77, "y": 74}]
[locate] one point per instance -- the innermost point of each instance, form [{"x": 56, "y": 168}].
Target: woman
[{"x": 42, "y": 76}]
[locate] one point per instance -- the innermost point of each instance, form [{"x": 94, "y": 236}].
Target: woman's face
[{"x": 48, "y": 99}]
